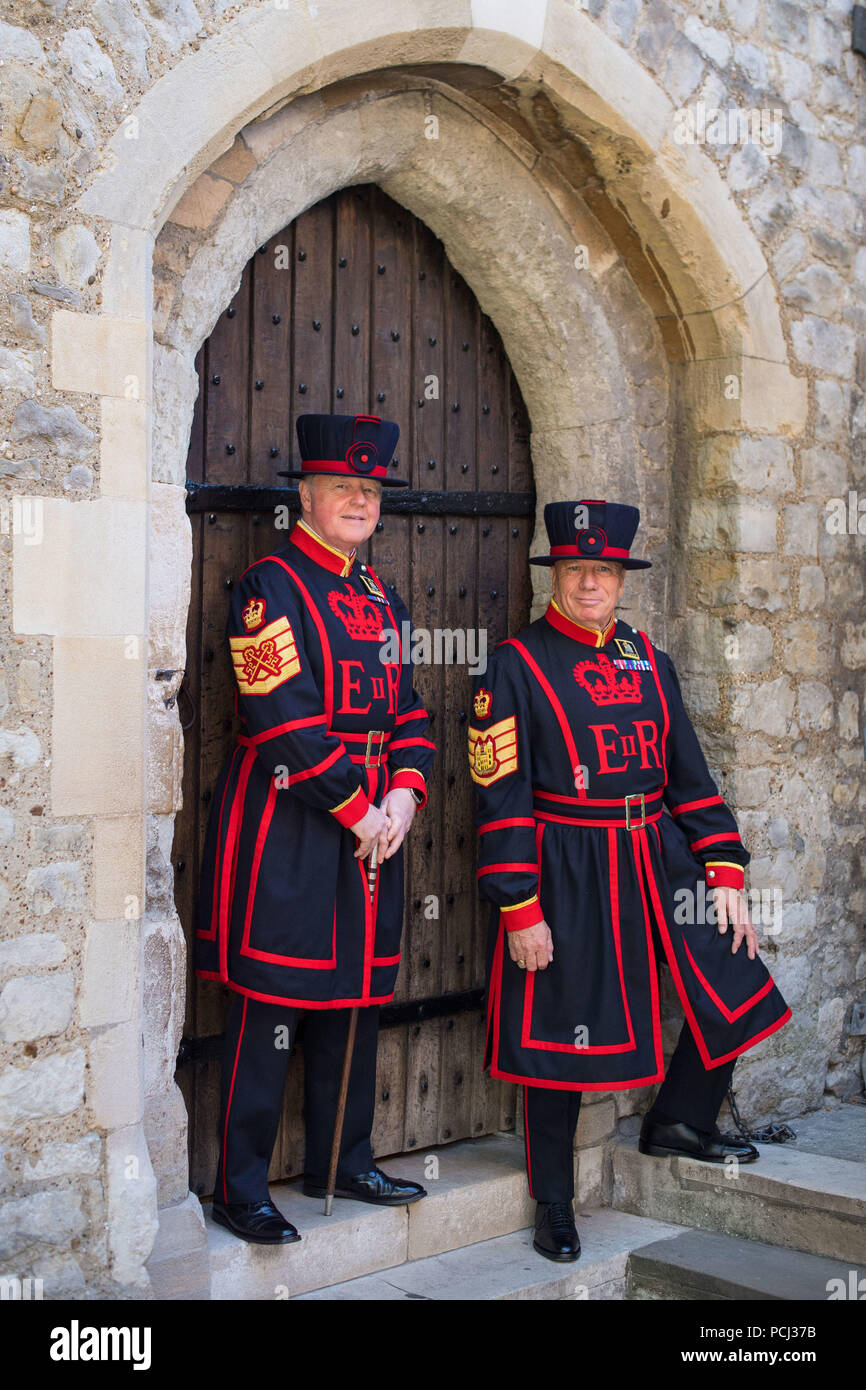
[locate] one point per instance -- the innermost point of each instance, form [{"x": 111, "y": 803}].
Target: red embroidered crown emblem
[
  {"x": 606, "y": 685},
  {"x": 253, "y": 613},
  {"x": 361, "y": 618}
]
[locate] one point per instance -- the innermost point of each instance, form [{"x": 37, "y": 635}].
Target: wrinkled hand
[
  {"x": 533, "y": 946},
  {"x": 400, "y": 807},
  {"x": 731, "y": 906},
  {"x": 370, "y": 830}
]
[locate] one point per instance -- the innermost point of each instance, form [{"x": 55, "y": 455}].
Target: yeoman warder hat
[
  {"x": 589, "y": 529},
  {"x": 359, "y": 446}
]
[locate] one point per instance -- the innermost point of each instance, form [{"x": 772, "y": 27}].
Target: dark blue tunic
[
  {"x": 284, "y": 911},
  {"x": 566, "y": 724}
]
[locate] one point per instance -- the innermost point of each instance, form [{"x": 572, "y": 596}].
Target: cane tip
[{"x": 329, "y": 1203}]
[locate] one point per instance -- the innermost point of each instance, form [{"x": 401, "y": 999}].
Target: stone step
[
  {"x": 706, "y": 1265},
  {"x": 477, "y": 1191},
  {"x": 507, "y": 1267},
  {"x": 790, "y": 1197}
]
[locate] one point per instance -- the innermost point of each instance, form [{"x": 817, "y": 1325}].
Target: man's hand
[
  {"x": 531, "y": 948},
  {"x": 400, "y": 807},
  {"x": 371, "y": 829},
  {"x": 732, "y": 907}
]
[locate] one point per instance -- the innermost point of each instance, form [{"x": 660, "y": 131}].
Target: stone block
[
  {"x": 14, "y": 242},
  {"x": 95, "y": 548},
  {"x": 36, "y": 1006},
  {"x": 595, "y": 1123},
  {"x": 55, "y": 887},
  {"x": 52, "y": 1085},
  {"x": 43, "y": 1218},
  {"x": 114, "y": 1091},
  {"x": 178, "y": 1265},
  {"x": 202, "y": 203},
  {"x": 118, "y": 868},
  {"x": 99, "y": 355},
  {"x": 767, "y": 707},
  {"x": 800, "y": 521},
  {"x": 30, "y": 951},
  {"x": 58, "y": 1159},
  {"x": 110, "y": 980},
  {"x": 132, "y": 1210},
  {"x": 123, "y": 449},
  {"x": 97, "y": 733}
]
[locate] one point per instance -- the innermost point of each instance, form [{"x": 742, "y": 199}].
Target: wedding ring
[{"x": 522, "y": 964}]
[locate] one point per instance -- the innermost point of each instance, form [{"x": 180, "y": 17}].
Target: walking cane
[{"x": 347, "y": 1063}]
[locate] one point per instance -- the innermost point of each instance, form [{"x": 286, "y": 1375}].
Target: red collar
[
  {"x": 557, "y": 619},
  {"x": 323, "y": 554}
]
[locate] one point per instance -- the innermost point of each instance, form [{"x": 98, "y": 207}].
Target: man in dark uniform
[
  {"x": 332, "y": 760},
  {"x": 580, "y": 739}
]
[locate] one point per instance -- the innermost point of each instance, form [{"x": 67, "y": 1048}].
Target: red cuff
[
  {"x": 352, "y": 810},
  {"x": 412, "y": 780},
  {"x": 724, "y": 876},
  {"x": 527, "y": 914}
]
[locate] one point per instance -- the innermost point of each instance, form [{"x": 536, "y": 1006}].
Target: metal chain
[{"x": 770, "y": 1134}]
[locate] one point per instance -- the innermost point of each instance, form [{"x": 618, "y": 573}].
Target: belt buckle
[
  {"x": 629, "y": 824},
  {"x": 374, "y": 733}
]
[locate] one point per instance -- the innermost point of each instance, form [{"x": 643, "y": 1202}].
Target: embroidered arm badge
[
  {"x": 266, "y": 661},
  {"x": 493, "y": 751}
]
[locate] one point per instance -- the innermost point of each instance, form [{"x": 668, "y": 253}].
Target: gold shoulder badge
[
  {"x": 493, "y": 751},
  {"x": 483, "y": 703},
  {"x": 261, "y": 665},
  {"x": 253, "y": 613}
]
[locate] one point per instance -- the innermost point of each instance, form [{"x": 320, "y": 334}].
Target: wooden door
[{"x": 354, "y": 307}]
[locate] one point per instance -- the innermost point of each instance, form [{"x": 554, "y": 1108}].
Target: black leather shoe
[
  {"x": 555, "y": 1232},
  {"x": 374, "y": 1186},
  {"x": 684, "y": 1141},
  {"x": 258, "y": 1222}
]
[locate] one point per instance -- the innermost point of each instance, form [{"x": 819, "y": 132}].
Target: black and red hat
[
  {"x": 359, "y": 446},
  {"x": 589, "y": 529}
]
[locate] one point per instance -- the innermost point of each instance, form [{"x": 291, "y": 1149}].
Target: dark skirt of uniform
[{"x": 568, "y": 850}]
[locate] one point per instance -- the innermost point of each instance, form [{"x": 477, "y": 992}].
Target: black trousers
[
  {"x": 688, "y": 1093},
  {"x": 256, "y": 1051}
]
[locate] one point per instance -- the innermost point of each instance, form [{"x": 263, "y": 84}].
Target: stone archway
[{"x": 559, "y": 330}]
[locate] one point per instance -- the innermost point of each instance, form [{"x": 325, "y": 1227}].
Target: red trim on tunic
[
  {"x": 730, "y": 1014},
  {"x": 253, "y": 739},
  {"x": 695, "y": 805},
  {"x": 296, "y": 1003},
  {"x": 229, "y": 1103},
  {"x": 543, "y": 1045},
  {"x": 506, "y": 868},
  {"x": 229, "y": 861},
  {"x": 652, "y": 660},
  {"x": 412, "y": 743},
  {"x": 319, "y": 552},
  {"x": 354, "y": 810},
  {"x": 576, "y": 631},
  {"x": 505, "y": 824},
  {"x": 615, "y": 824},
  {"x": 412, "y": 714},
  {"x": 526, "y": 1137},
  {"x": 320, "y": 628},
  {"x": 210, "y": 935},
  {"x": 319, "y": 767},
  {"x": 536, "y": 670},
  {"x": 714, "y": 840}
]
